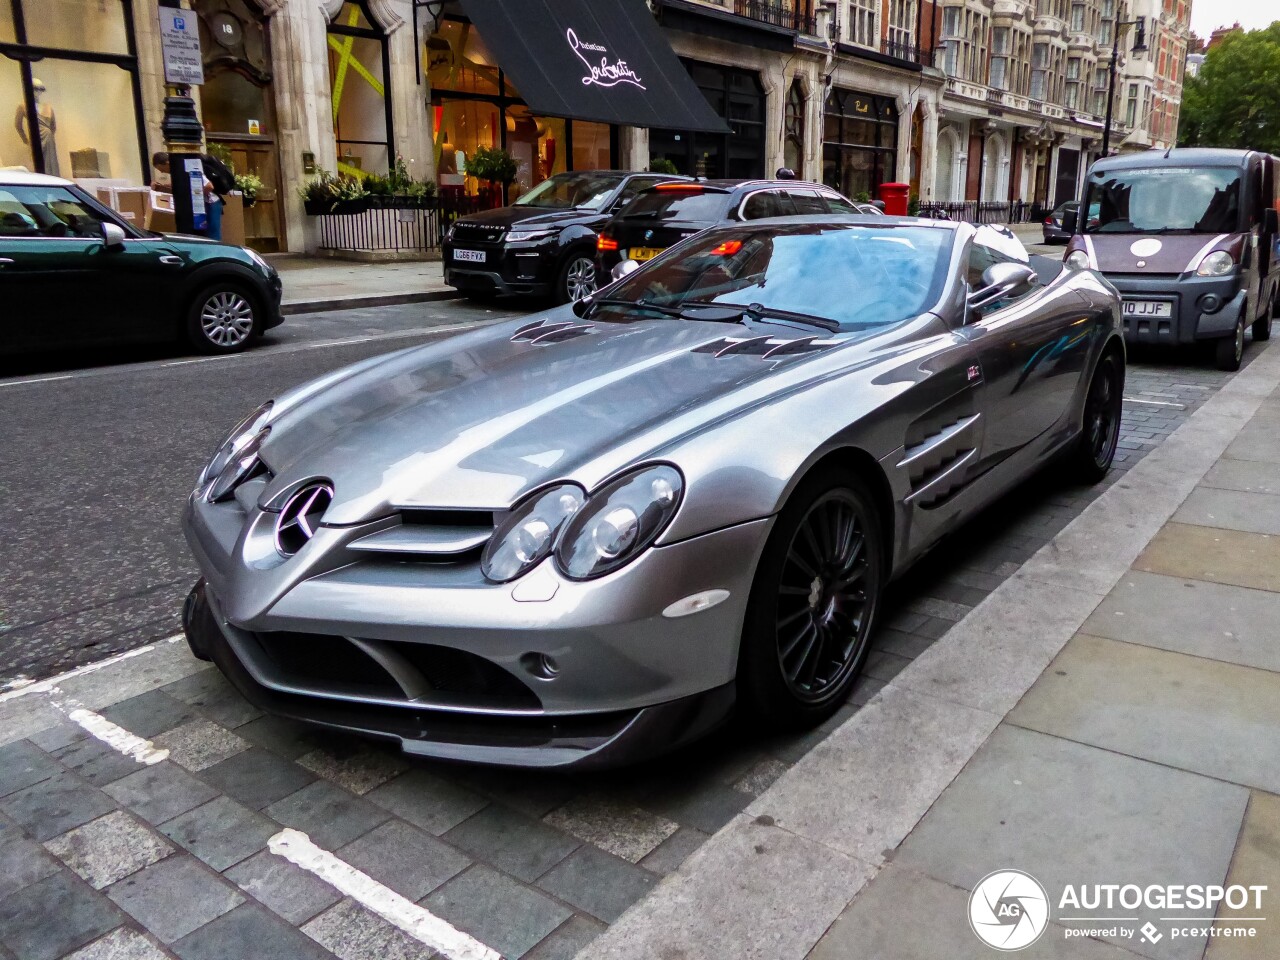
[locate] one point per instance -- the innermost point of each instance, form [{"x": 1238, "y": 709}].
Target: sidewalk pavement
[
  {"x": 1107, "y": 716},
  {"x": 312, "y": 284}
]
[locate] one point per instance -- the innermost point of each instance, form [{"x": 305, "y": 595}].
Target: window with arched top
[
  {"x": 359, "y": 87},
  {"x": 793, "y": 148}
]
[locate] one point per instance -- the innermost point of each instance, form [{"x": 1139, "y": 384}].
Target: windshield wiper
[
  {"x": 757, "y": 311},
  {"x": 640, "y": 304}
]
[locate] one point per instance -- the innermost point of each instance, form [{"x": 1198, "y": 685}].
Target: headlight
[
  {"x": 528, "y": 535},
  {"x": 619, "y": 521},
  {"x": 1217, "y": 264},
  {"x": 448, "y": 233},
  {"x": 1077, "y": 260},
  {"x": 236, "y": 455},
  {"x": 257, "y": 258},
  {"x": 518, "y": 236}
]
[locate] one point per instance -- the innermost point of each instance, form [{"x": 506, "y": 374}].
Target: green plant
[
  {"x": 220, "y": 151},
  {"x": 249, "y": 184},
  {"x": 913, "y": 206},
  {"x": 493, "y": 165},
  {"x": 863, "y": 197},
  {"x": 331, "y": 188},
  {"x": 379, "y": 185},
  {"x": 661, "y": 165}
]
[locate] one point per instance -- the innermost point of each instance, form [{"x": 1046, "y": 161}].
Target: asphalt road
[{"x": 99, "y": 452}]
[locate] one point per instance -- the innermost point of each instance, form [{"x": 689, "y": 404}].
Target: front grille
[
  {"x": 464, "y": 232},
  {"x": 326, "y": 662},
  {"x": 450, "y": 670},
  {"x": 433, "y": 536}
]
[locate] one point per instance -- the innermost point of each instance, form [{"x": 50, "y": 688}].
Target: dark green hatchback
[{"x": 74, "y": 274}]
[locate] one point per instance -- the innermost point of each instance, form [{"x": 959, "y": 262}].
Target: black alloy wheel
[
  {"x": 813, "y": 604},
  {"x": 1103, "y": 411}
]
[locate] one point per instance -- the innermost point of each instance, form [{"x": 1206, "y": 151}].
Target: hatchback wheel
[
  {"x": 577, "y": 279},
  {"x": 813, "y": 604},
  {"x": 222, "y": 319}
]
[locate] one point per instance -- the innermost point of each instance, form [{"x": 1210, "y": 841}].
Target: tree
[{"x": 1235, "y": 101}]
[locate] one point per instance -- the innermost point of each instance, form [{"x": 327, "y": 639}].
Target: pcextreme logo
[{"x": 1009, "y": 911}]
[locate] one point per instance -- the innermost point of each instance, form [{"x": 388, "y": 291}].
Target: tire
[
  {"x": 1262, "y": 326},
  {"x": 806, "y": 636},
  {"x": 1095, "y": 451},
  {"x": 224, "y": 317},
  {"x": 577, "y": 277},
  {"x": 1229, "y": 351}
]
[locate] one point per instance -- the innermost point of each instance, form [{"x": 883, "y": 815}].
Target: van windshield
[{"x": 1163, "y": 200}]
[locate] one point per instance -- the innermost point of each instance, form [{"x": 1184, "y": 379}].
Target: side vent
[
  {"x": 766, "y": 348},
  {"x": 938, "y": 462}
]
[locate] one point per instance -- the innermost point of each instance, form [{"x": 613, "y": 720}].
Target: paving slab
[
  {"x": 351, "y": 932},
  {"x": 499, "y": 912},
  {"x": 54, "y": 916},
  {"x": 256, "y": 777},
  {"x": 149, "y": 714},
  {"x": 174, "y": 897},
  {"x": 109, "y": 848},
  {"x": 862, "y": 789},
  {"x": 775, "y": 893},
  {"x": 22, "y": 862},
  {"x": 521, "y": 846},
  {"x": 1247, "y": 475},
  {"x": 359, "y": 770},
  {"x": 22, "y": 764},
  {"x": 906, "y": 915},
  {"x": 673, "y": 851},
  {"x": 1210, "y": 620},
  {"x": 120, "y": 944},
  {"x": 408, "y": 860},
  {"x": 567, "y": 940},
  {"x": 1218, "y": 719},
  {"x": 1256, "y": 861},
  {"x": 221, "y": 832},
  {"x": 96, "y": 762},
  {"x": 1231, "y": 510},
  {"x": 215, "y": 696},
  {"x": 249, "y": 931},
  {"x": 1219, "y": 556},
  {"x": 610, "y": 824},
  {"x": 160, "y": 792},
  {"x": 289, "y": 891},
  {"x": 597, "y": 882},
  {"x": 200, "y": 744},
  {"x": 428, "y": 801},
  {"x": 1068, "y": 813},
  {"x": 1259, "y": 442},
  {"x": 55, "y": 805},
  {"x": 329, "y": 815}
]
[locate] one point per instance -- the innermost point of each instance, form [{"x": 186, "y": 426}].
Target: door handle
[
  {"x": 169, "y": 260},
  {"x": 5, "y": 261}
]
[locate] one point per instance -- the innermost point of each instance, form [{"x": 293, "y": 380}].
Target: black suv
[
  {"x": 666, "y": 213},
  {"x": 544, "y": 243}
]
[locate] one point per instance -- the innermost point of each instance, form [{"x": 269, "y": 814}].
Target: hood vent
[
  {"x": 441, "y": 536},
  {"x": 542, "y": 332},
  {"x": 766, "y": 348}
]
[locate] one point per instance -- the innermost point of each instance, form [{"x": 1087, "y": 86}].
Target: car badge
[
  {"x": 975, "y": 372},
  {"x": 648, "y": 235},
  {"x": 1142, "y": 263},
  {"x": 300, "y": 517}
]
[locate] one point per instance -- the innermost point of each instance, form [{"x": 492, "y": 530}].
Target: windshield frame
[
  {"x": 939, "y": 281},
  {"x": 1093, "y": 197},
  {"x": 568, "y": 175}
]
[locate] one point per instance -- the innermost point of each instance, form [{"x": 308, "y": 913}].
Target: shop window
[
  {"x": 459, "y": 61},
  {"x": 358, "y": 81},
  {"x": 539, "y": 145},
  {"x": 592, "y": 145},
  {"x": 737, "y": 96},
  {"x": 860, "y": 142},
  {"x": 55, "y": 121}
]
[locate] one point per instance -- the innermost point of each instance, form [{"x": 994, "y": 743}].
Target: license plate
[
  {"x": 469, "y": 256},
  {"x": 1148, "y": 308},
  {"x": 640, "y": 254}
]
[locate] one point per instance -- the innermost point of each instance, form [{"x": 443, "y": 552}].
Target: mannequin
[{"x": 48, "y": 127}]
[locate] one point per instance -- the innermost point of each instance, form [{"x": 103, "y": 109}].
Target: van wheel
[
  {"x": 1229, "y": 351},
  {"x": 1262, "y": 326}
]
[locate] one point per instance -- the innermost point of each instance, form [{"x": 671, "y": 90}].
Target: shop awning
[{"x": 601, "y": 61}]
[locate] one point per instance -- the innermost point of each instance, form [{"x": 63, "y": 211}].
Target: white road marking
[
  {"x": 1156, "y": 403},
  {"x": 114, "y": 736},
  {"x": 418, "y": 922},
  {"x": 50, "y": 685},
  {"x": 18, "y": 383}
]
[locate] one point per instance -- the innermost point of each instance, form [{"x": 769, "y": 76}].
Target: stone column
[
  {"x": 410, "y": 119},
  {"x": 906, "y": 109},
  {"x": 815, "y": 106},
  {"x": 774, "y": 82},
  {"x": 633, "y": 148},
  {"x": 146, "y": 27},
  {"x": 929, "y": 152}
]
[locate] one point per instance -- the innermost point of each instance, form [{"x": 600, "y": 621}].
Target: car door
[
  {"x": 1031, "y": 350},
  {"x": 765, "y": 203},
  {"x": 65, "y": 285}
]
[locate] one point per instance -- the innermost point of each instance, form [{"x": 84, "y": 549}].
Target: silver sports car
[{"x": 585, "y": 537}]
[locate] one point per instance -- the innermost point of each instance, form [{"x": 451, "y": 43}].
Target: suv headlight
[
  {"x": 1217, "y": 264},
  {"x": 1077, "y": 260},
  {"x": 236, "y": 456},
  {"x": 619, "y": 521},
  {"x": 519, "y": 236},
  {"x": 448, "y": 232},
  {"x": 528, "y": 534}
]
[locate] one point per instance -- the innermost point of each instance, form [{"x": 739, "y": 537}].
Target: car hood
[
  {"x": 476, "y": 421},
  {"x": 532, "y": 217},
  {"x": 1137, "y": 253}
]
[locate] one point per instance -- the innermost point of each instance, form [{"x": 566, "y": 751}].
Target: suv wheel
[
  {"x": 577, "y": 278},
  {"x": 222, "y": 318}
]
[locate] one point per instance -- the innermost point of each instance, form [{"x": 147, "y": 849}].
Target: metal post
[
  {"x": 1111, "y": 84},
  {"x": 184, "y": 139}
]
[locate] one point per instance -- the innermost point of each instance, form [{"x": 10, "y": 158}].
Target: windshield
[
  {"x": 682, "y": 204},
  {"x": 566, "y": 190},
  {"x": 1164, "y": 200},
  {"x": 854, "y": 275}
]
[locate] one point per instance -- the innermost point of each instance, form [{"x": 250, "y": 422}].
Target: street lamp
[{"x": 1139, "y": 46}]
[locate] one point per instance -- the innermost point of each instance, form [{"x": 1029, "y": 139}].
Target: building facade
[{"x": 839, "y": 90}]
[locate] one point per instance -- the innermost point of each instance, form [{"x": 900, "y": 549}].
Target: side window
[
  {"x": 981, "y": 257},
  {"x": 633, "y": 187},
  {"x": 46, "y": 212},
  {"x": 807, "y": 202},
  {"x": 839, "y": 204},
  {"x": 761, "y": 205}
]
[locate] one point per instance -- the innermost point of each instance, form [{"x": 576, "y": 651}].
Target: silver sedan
[{"x": 586, "y": 537}]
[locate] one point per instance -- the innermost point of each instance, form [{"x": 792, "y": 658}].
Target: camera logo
[{"x": 1008, "y": 910}]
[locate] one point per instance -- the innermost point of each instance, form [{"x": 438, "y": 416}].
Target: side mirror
[
  {"x": 1070, "y": 220},
  {"x": 1001, "y": 280},
  {"x": 624, "y": 268},
  {"x": 1271, "y": 220},
  {"x": 113, "y": 236}
]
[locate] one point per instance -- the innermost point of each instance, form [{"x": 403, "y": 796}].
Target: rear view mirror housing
[
  {"x": 1271, "y": 220},
  {"x": 1001, "y": 280},
  {"x": 113, "y": 235},
  {"x": 1070, "y": 220}
]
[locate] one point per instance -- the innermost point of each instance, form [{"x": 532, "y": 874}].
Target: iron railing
[
  {"x": 903, "y": 50},
  {"x": 986, "y": 211},
  {"x": 393, "y": 229},
  {"x": 790, "y": 16}
]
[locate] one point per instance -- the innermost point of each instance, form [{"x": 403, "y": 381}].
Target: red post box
[{"x": 895, "y": 197}]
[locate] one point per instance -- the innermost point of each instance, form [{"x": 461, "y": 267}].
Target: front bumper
[
  {"x": 526, "y": 268},
  {"x": 1203, "y": 308},
  {"x": 450, "y": 665},
  {"x": 275, "y": 294}
]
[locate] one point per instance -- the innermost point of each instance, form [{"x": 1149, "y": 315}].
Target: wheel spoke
[
  {"x": 808, "y": 637},
  {"x": 795, "y": 558}
]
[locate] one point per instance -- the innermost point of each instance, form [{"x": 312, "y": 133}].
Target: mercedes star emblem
[{"x": 300, "y": 518}]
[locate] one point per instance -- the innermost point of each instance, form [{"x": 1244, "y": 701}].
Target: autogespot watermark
[{"x": 1010, "y": 910}]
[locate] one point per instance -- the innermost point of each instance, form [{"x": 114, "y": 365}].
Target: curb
[
  {"x": 771, "y": 882},
  {"x": 355, "y": 303}
]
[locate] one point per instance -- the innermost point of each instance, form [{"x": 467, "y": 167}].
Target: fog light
[
  {"x": 1210, "y": 303},
  {"x": 541, "y": 665}
]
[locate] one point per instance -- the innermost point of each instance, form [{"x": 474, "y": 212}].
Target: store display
[
  {"x": 48, "y": 127},
  {"x": 90, "y": 164}
]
